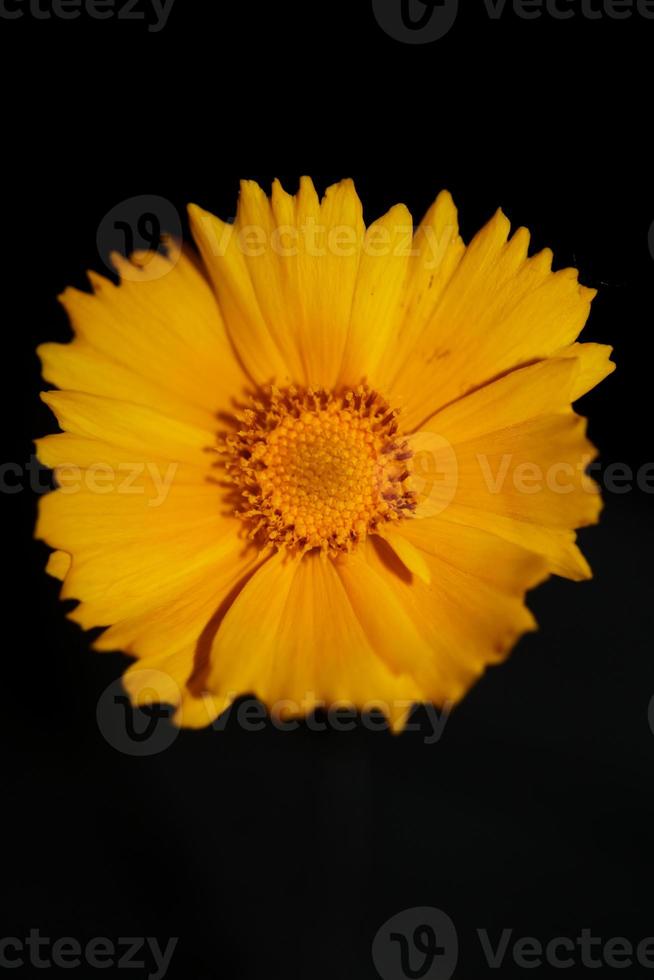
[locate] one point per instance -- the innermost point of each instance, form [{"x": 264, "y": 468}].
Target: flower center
[{"x": 312, "y": 469}]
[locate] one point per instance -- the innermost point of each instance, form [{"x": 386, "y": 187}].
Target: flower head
[{"x": 323, "y": 463}]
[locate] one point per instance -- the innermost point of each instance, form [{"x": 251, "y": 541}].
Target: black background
[{"x": 281, "y": 855}]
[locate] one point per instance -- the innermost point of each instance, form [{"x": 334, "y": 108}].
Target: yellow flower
[{"x": 324, "y": 463}]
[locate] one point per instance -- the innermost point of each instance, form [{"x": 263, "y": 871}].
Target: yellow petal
[
  {"x": 142, "y": 589},
  {"x": 156, "y": 682},
  {"x": 437, "y": 249},
  {"x": 135, "y": 428},
  {"x": 498, "y": 311},
  {"x": 556, "y": 545},
  {"x": 198, "y": 711},
  {"x": 378, "y": 297},
  {"x": 409, "y": 555},
  {"x": 389, "y": 625},
  {"x": 163, "y": 680},
  {"x": 128, "y": 554},
  {"x": 78, "y": 366},
  {"x": 99, "y": 465},
  {"x": 534, "y": 472},
  {"x": 331, "y": 295},
  {"x": 528, "y": 393},
  {"x": 521, "y": 458},
  {"x": 223, "y": 251},
  {"x": 285, "y": 276},
  {"x": 155, "y": 339},
  {"x": 269, "y": 248},
  {"x": 507, "y": 567},
  {"x": 594, "y": 364},
  {"x": 462, "y": 621},
  {"x": 172, "y": 622},
  {"x": 292, "y": 636},
  {"x": 58, "y": 564}
]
